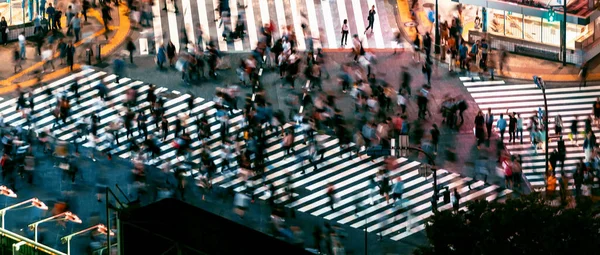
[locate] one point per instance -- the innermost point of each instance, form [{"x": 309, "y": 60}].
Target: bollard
[
  {"x": 99, "y": 53},
  {"x": 88, "y": 56}
]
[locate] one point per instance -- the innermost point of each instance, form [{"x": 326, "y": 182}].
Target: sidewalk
[
  {"x": 517, "y": 66},
  {"x": 92, "y": 34}
]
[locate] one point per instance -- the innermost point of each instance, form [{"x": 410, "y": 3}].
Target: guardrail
[{"x": 11, "y": 242}]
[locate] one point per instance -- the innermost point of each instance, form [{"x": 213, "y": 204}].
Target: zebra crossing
[
  {"x": 322, "y": 19},
  {"x": 357, "y": 205},
  {"x": 526, "y": 99}
]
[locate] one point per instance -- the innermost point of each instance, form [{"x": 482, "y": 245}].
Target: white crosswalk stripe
[
  {"x": 321, "y": 17},
  {"x": 570, "y": 103},
  {"x": 350, "y": 176}
]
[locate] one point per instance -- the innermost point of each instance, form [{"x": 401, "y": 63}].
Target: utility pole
[
  {"x": 437, "y": 29},
  {"x": 540, "y": 84},
  {"x": 564, "y": 36}
]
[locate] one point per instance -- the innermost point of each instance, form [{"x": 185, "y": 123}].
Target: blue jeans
[
  {"x": 22, "y": 50},
  {"x": 76, "y": 31}
]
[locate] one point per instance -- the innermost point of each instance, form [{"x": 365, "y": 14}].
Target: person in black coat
[
  {"x": 70, "y": 55},
  {"x": 131, "y": 48},
  {"x": 4, "y": 30}
]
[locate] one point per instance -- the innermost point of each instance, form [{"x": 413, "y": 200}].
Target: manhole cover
[{"x": 410, "y": 24}]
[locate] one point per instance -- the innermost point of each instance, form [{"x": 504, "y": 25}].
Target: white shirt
[
  {"x": 47, "y": 54},
  {"x": 21, "y": 39}
]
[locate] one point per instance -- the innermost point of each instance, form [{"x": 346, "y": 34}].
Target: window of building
[
  {"x": 495, "y": 23},
  {"x": 514, "y": 25},
  {"x": 532, "y": 28},
  {"x": 551, "y": 32}
]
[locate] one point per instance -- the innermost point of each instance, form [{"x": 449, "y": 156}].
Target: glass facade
[{"x": 536, "y": 29}]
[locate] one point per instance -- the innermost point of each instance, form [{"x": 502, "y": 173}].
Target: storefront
[{"x": 525, "y": 29}]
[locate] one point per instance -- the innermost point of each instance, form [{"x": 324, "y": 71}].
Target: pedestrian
[
  {"x": 47, "y": 56},
  {"x": 85, "y": 6},
  {"x": 70, "y": 53},
  {"x": 427, "y": 42},
  {"x": 435, "y": 138},
  {"x": 161, "y": 56},
  {"x": 345, "y": 32},
  {"x": 397, "y": 191},
  {"x": 70, "y": 14},
  {"x": 171, "y": 53},
  {"x": 17, "y": 60},
  {"x": 118, "y": 67},
  {"x": 501, "y": 125},
  {"x": 50, "y": 11},
  {"x": 371, "y": 19},
  {"x": 22, "y": 49},
  {"x": 331, "y": 195},
  {"x": 130, "y": 48},
  {"x": 489, "y": 122},
  {"x": 4, "y": 30},
  {"x": 573, "y": 134},
  {"x": 455, "y": 200},
  {"x": 479, "y": 133},
  {"x": 427, "y": 71},
  {"x": 583, "y": 73},
  {"x": 417, "y": 49},
  {"x": 75, "y": 25}
]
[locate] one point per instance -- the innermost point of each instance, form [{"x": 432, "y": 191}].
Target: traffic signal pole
[{"x": 564, "y": 34}]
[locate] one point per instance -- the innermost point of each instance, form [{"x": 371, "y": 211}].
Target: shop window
[
  {"x": 495, "y": 21},
  {"x": 551, "y": 33},
  {"x": 532, "y": 28},
  {"x": 514, "y": 25}
]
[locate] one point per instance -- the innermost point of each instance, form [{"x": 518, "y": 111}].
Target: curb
[{"x": 119, "y": 37}]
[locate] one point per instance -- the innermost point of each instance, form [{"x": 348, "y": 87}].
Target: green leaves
[{"x": 526, "y": 225}]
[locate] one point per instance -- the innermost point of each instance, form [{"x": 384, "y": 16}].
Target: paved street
[
  {"x": 525, "y": 98},
  {"x": 350, "y": 177},
  {"x": 323, "y": 20}
]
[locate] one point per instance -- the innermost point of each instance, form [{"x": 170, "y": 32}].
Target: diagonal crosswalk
[
  {"x": 525, "y": 99},
  {"x": 357, "y": 206},
  {"x": 323, "y": 21}
]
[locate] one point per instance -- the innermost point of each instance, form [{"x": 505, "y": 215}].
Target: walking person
[
  {"x": 455, "y": 200},
  {"x": 70, "y": 50},
  {"x": 583, "y": 73},
  {"x": 118, "y": 67},
  {"x": 345, "y": 32},
  {"x": 47, "y": 55},
  {"x": 489, "y": 122},
  {"x": 512, "y": 126},
  {"x": 331, "y": 195},
  {"x": 17, "y": 60},
  {"x": 479, "y": 133},
  {"x": 397, "y": 191},
  {"x": 501, "y": 125},
  {"x": 4, "y": 30},
  {"x": 131, "y": 48},
  {"x": 22, "y": 48},
  {"x": 435, "y": 138},
  {"x": 371, "y": 19}
]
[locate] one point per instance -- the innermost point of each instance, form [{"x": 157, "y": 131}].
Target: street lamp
[
  {"x": 34, "y": 203},
  {"x": 100, "y": 228},
  {"x": 7, "y": 192},
  {"x": 542, "y": 85},
  {"x": 68, "y": 216}
]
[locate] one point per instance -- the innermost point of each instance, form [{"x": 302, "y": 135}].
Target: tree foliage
[{"x": 527, "y": 225}]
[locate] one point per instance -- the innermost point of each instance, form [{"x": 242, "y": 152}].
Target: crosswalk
[
  {"x": 350, "y": 176},
  {"x": 323, "y": 20},
  {"x": 526, "y": 99}
]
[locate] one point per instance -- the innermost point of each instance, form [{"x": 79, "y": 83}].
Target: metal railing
[{"x": 9, "y": 242}]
